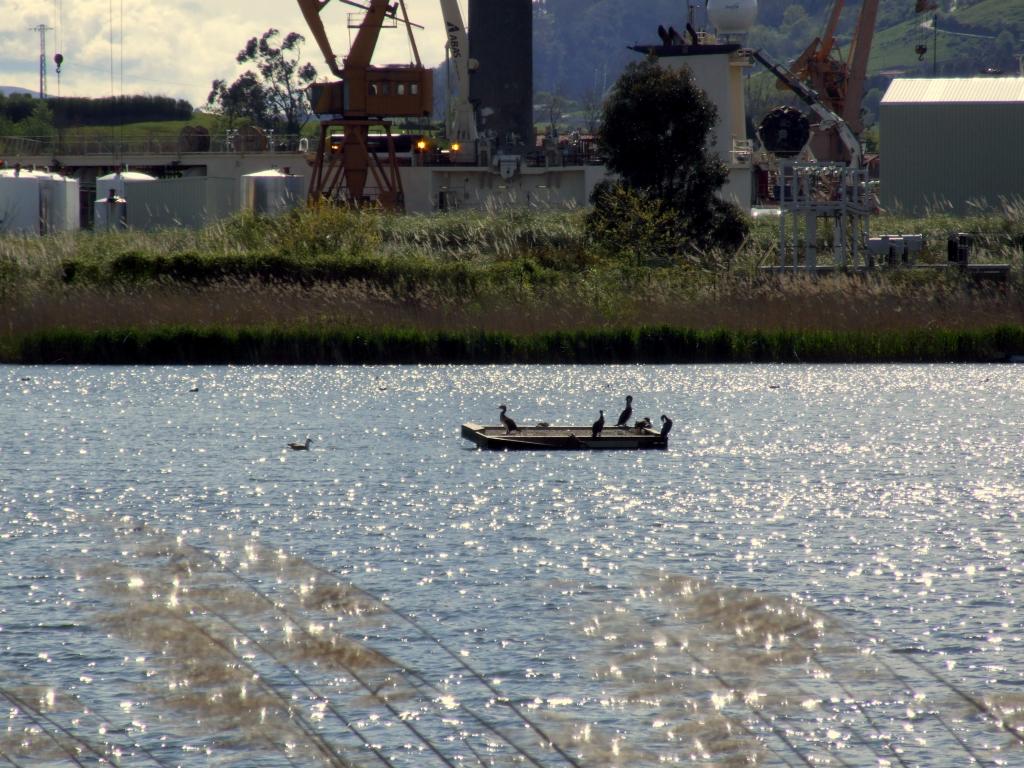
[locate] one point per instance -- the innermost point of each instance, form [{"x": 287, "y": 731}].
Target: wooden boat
[{"x": 556, "y": 438}]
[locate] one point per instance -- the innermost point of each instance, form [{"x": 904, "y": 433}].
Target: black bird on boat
[
  {"x": 301, "y": 446},
  {"x": 666, "y": 425},
  {"x": 506, "y": 421},
  {"x": 626, "y": 414},
  {"x": 595, "y": 431}
]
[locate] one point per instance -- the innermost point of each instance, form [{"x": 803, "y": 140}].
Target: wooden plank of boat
[{"x": 564, "y": 438}]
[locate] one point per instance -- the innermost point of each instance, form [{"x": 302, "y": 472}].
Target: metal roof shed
[{"x": 952, "y": 144}]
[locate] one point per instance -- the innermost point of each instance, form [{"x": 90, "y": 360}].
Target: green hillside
[{"x": 986, "y": 34}]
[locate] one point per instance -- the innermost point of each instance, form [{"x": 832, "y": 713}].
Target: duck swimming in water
[
  {"x": 301, "y": 446},
  {"x": 626, "y": 414},
  {"x": 595, "y": 431},
  {"x": 506, "y": 421}
]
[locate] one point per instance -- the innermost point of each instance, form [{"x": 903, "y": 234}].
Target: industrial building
[
  {"x": 718, "y": 64},
  {"x": 718, "y": 69},
  {"x": 952, "y": 144},
  {"x": 501, "y": 43}
]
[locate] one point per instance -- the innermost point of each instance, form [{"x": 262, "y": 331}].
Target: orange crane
[
  {"x": 839, "y": 83},
  {"x": 364, "y": 97}
]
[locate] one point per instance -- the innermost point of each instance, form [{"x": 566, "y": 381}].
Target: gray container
[
  {"x": 271, "y": 192},
  {"x": 110, "y": 212}
]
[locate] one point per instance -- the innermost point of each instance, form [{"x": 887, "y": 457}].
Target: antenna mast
[{"x": 42, "y": 29}]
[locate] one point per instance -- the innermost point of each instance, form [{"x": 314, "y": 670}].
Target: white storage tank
[
  {"x": 59, "y": 203},
  {"x": 270, "y": 192},
  {"x": 37, "y": 202},
  {"x": 110, "y": 212},
  {"x": 732, "y": 17},
  {"x": 119, "y": 182}
]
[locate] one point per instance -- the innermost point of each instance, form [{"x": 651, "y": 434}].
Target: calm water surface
[{"x": 821, "y": 561}]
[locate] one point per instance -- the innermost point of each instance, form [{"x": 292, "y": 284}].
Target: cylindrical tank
[
  {"x": 732, "y": 17},
  {"x": 37, "y": 202},
  {"x": 59, "y": 205},
  {"x": 19, "y": 201},
  {"x": 118, "y": 182},
  {"x": 270, "y": 192},
  {"x": 110, "y": 212}
]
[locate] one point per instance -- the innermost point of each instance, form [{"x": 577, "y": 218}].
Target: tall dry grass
[
  {"x": 239, "y": 655},
  {"x": 514, "y": 271}
]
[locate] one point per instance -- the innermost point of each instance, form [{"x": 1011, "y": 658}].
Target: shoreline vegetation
[
  {"x": 342, "y": 346},
  {"x": 502, "y": 286}
]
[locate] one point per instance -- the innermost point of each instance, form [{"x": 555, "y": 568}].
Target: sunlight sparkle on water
[{"x": 863, "y": 515}]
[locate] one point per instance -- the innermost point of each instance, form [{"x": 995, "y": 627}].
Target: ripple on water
[{"x": 817, "y": 542}]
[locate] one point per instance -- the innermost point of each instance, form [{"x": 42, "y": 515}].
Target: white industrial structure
[
  {"x": 140, "y": 201},
  {"x": 272, "y": 192},
  {"x": 952, "y": 144},
  {"x": 460, "y": 123},
  {"x": 718, "y": 64},
  {"x": 732, "y": 17},
  {"x": 37, "y": 202}
]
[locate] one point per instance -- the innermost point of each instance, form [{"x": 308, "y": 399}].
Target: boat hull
[{"x": 563, "y": 438}]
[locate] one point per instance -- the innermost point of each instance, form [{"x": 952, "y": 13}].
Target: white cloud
[{"x": 176, "y": 49}]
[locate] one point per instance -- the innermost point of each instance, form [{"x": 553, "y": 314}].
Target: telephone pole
[{"x": 42, "y": 29}]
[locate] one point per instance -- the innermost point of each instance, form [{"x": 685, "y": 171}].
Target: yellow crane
[
  {"x": 364, "y": 97},
  {"x": 838, "y": 82}
]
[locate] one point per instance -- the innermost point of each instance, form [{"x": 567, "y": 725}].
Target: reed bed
[
  {"x": 236, "y": 655},
  {"x": 515, "y": 272},
  {"x": 645, "y": 344}
]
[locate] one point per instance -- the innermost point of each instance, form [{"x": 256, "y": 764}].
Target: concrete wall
[
  {"x": 470, "y": 188},
  {"x": 953, "y": 157}
]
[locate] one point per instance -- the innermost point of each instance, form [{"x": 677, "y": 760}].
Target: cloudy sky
[{"x": 175, "y": 48}]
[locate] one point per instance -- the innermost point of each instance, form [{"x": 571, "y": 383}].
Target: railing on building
[{"x": 98, "y": 143}]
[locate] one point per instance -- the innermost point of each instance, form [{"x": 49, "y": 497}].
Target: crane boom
[
  {"x": 827, "y": 117},
  {"x": 860, "y": 52},
  {"x": 311, "y": 11},
  {"x": 838, "y": 83},
  {"x": 463, "y": 122},
  {"x": 363, "y": 97}
]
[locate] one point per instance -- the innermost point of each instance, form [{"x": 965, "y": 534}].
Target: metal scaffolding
[{"x": 832, "y": 198}]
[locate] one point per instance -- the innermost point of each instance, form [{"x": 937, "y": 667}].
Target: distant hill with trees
[
  {"x": 117, "y": 110},
  {"x": 23, "y": 115},
  {"x": 581, "y": 46}
]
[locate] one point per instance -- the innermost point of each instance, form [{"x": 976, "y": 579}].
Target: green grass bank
[{"x": 514, "y": 285}]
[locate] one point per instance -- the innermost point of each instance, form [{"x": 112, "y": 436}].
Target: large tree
[
  {"x": 273, "y": 94},
  {"x": 654, "y": 137}
]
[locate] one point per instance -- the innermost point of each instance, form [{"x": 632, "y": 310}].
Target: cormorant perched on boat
[
  {"x": 595, "y": 431},
  {"x": 626, "y": 414},
  {"x": 666, "y": 425},
  {"x": 510, "y": 426},
  {"x": 300, "y": 446}
]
